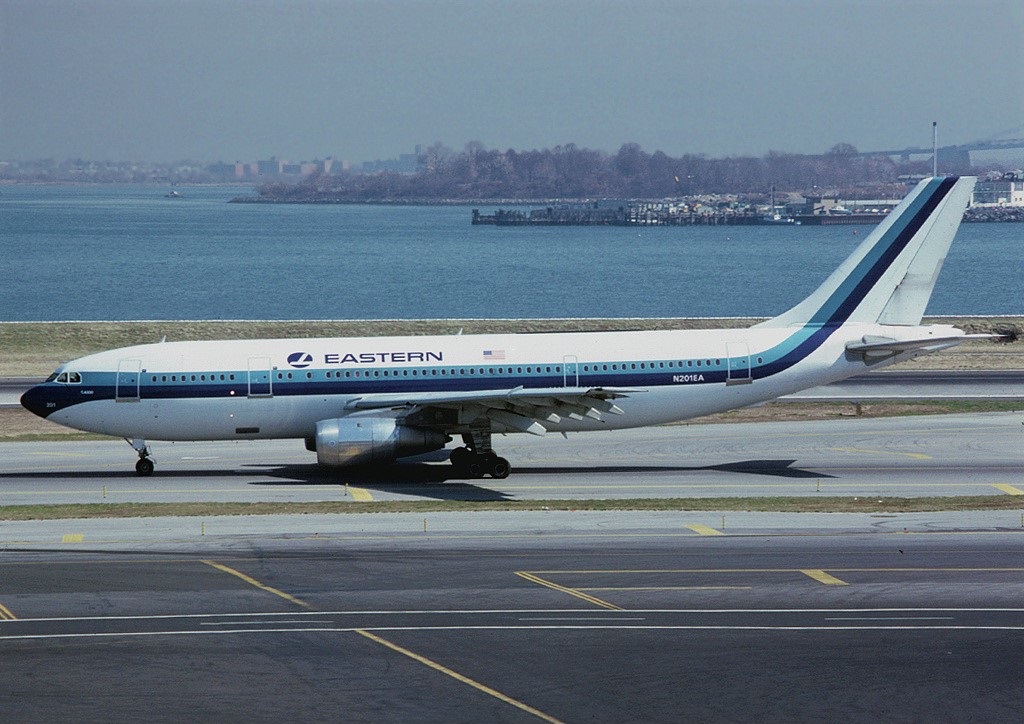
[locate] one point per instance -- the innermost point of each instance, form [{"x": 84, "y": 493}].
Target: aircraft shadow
[
  {"x": 419, "y": 474},
  {"x": 423, "y": 481},
  {"x": 776, "y": 468}
]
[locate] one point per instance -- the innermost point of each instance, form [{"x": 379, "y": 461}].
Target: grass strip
[{"x": 832, "y": 504}]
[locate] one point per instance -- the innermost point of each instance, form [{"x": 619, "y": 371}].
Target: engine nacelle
[{"x": 363, "y": 440}]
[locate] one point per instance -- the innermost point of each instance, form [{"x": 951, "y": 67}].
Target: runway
[
  {"x": 514, "y": 626},
  {"x": 557, "y": 616},
  {"x": 977, "y": 454}
]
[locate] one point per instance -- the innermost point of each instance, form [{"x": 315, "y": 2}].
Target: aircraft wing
[{"x": 519, "y": 408}]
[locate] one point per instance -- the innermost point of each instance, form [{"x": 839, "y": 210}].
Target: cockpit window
[{"x": 69, "y": 378}]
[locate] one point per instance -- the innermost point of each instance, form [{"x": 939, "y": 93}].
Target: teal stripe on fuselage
[{"x": 842, "y": 303}]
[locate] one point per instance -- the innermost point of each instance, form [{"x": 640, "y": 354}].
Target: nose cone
[{"x": 39, "y": 401}]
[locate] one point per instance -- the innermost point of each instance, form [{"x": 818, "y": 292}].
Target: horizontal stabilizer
[{"x": 872, "y": 346}]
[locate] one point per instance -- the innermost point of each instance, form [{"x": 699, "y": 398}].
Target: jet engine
[{"x": 360, "y": 441}]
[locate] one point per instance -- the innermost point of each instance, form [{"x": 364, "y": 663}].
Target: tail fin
[{"x": 889, "y": 278}]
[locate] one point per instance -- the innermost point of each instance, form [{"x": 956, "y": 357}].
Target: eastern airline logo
[{"x": 300, "y": 360}]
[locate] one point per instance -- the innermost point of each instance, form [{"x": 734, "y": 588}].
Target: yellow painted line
[
  {"x": 360, "y": 495},
  {"x": 459, "y": 677},
  {"x": 669, "y": 588},
  {"x": 571, "y": 591},
  {"x": 666, "y": 570},
  {"x": 73, "y": 538},
  {"x": 1009, "y": 489},
  {"x": 6, "y": 615},
  {"x": 915, "y": 456},
  {"x": 822, "y": 577},
  {"x": 703, "y": 529},
  {"x": 253, "y": 582}
]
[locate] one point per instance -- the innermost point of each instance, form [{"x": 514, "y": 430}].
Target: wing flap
[
  {"x": 520, "y": 408},
  {"x": 570, "y": 395}
]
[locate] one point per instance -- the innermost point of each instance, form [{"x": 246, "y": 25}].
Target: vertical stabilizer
[{"x": 889, "y": 278}]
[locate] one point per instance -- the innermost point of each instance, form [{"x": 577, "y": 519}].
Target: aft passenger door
[{"x": 738, "y": 355}]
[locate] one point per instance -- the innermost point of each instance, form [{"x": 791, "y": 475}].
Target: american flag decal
[{"x": 494, "y": 354}]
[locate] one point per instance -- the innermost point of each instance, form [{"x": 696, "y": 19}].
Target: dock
[{"x": 631, "y": 214}]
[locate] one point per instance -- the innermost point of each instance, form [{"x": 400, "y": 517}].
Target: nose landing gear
[{"x": 144, "y": 467}]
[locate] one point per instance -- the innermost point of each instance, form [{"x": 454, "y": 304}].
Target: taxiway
[{"x": 556, "y": 616}]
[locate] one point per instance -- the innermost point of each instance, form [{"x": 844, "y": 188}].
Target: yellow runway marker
[
  {"x": 253, "y": 582},
  {"x": 458, "y": 677},
  {"x": 822, "y": 577},
  {"x": 669, "y": 588},
  {"x": 1009, "y": 489},
  {"x": 6, "y": 615},
  {"x": 73, "y": 538},
  {"x": 703, "y": 529},
  {"x": 394, "y": 647},
  {"x": 360, "y": 495},
  {"x": 571, "y": 591},
  {"x": 915, "y": 456}
]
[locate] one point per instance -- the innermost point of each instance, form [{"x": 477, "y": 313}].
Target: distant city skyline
[{"x": 242, "y": 80}]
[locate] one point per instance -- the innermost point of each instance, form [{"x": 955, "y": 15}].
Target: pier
[{"x": 644, "y": 213}]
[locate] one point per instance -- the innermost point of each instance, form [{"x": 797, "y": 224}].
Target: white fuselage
[{"x": 282, "y": 388}]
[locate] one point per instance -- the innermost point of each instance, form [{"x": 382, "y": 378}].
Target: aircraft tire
[
  {"x": 475, "y": 467},
  {"x": 460, "y": 457},
  {"x": 144, "y": 467},
  {"x": 499, "y": 468}
]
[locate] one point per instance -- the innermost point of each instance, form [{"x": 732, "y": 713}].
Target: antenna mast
[{"x": 935, "y": 148}]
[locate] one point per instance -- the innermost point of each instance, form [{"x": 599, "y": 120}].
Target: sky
[{"x": 240, "y": 80}]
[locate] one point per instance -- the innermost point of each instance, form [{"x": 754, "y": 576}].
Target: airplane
[{"x": 375, "y": 400}]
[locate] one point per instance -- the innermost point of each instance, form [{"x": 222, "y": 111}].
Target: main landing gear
[
  {"x": 477, "y": 459},
  {"x": 144, "y": 467}
]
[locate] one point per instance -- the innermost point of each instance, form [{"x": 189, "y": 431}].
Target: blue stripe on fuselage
[{"x": 842, "y": 303}]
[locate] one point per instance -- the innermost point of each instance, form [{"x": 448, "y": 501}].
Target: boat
[{"x": 773, "y": 217}]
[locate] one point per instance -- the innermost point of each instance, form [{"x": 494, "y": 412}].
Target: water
[{"x": 126, "y": 252}]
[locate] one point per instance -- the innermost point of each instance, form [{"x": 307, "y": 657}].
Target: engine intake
[{"x": 360, "y": 441}]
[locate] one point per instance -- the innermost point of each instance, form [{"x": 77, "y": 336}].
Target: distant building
[
  {"x": 1005, "y": 191},
  {"x": 272, "y": 167},
  {"x": 405, "y": 163}
]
